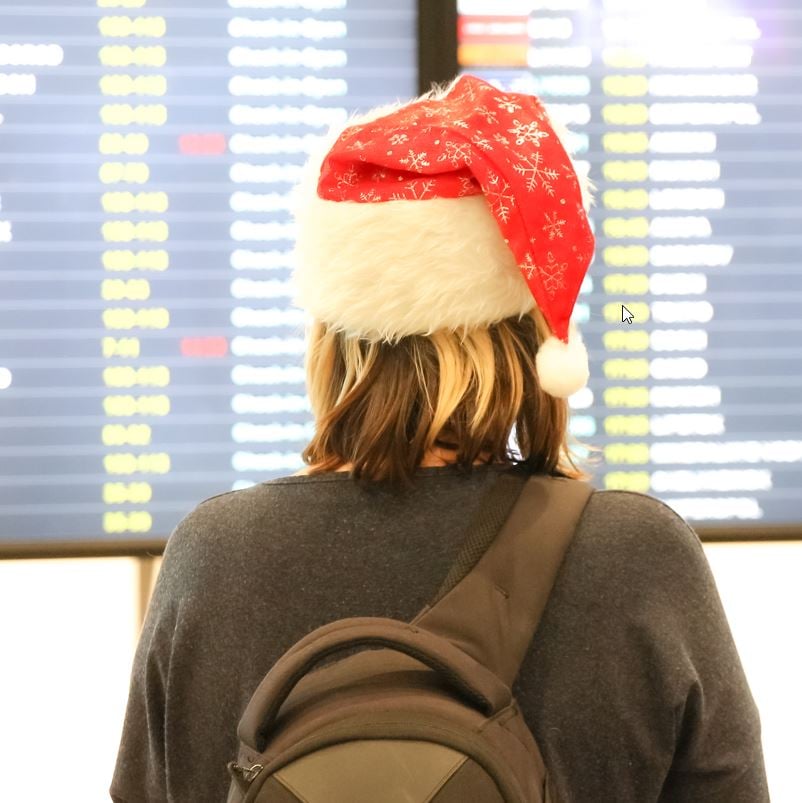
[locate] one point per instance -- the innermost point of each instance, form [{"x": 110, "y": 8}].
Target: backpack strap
[{"x": 491, "y": 602}]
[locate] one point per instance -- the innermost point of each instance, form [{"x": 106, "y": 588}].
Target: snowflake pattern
[
  {"x": 508, "y": 105},
  {"x": 553, "y": 274},
  {"x": 415, "y": 161},
  {"x": 536, "y": 173},
  {"x": 528, "y": 265},
  {"x": 398, "y": 139},
  {"x": 350, "y": 132},
  {"x": 400, "y": 128},
  {"x": 469, "y": 92},
  {"x": 501, "y": 139},
  {"x": 481, "y": 141},
  {"x": 370, "y": 196},
  {"x": 527, "y": 132},
  {"x": 490, "y": 117},
  {"x": 415, "y": 191},
  {"x": 458, "y": 153},
  {"x": 436, "y": 111},
  {"x": 347, "y": 179},
  {"x": 500, "y": 196},
  {"x": 468, "y": 186},
  {"x": 554, "y": 225}
]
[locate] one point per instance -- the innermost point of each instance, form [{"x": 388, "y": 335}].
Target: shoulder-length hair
[{"x": 381, "y": 406}]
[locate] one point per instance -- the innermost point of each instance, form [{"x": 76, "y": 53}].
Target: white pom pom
[{"x": 562, "y": 369}]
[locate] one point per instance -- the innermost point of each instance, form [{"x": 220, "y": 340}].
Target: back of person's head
[
  {"x": 382, "y": 406},
  {"x": 440, "y": 248}
]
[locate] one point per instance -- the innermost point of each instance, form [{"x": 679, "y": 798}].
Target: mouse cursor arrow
[{"x": 626, "y": 315}]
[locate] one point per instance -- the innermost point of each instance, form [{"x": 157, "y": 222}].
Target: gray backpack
[{"x": 421, "y": 711}]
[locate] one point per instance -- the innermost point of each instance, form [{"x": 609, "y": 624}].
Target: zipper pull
[{"x": 244, "y": 776}]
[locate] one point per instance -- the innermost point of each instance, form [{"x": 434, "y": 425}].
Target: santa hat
[{"x": 457, "y": 209}]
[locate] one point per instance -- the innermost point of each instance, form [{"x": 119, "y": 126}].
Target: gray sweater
[{"x": 632, "y": 686}]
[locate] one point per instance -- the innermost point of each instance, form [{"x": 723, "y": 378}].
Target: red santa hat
[{"x": 455, "y": 210}]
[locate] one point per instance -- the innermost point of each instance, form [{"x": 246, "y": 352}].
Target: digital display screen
[
  {"x": 149, "y": 353},
  {"x": 688, "y": 116}
]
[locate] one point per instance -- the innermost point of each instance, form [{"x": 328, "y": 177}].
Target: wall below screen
[
  {"x": 67, "y": 636},
  {"x": 759, "y": 586},
  {"x": 69, "y": 628}
]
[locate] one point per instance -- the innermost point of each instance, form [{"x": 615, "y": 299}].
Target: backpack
[{"x": 427, "y": 714}]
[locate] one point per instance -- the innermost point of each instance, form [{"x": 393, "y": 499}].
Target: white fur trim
[
  {"x": 396, "y": 268},
  {"x": 562, "y": 369}
]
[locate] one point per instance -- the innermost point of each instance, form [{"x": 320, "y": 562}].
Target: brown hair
[{"x": 381, "y": 406}]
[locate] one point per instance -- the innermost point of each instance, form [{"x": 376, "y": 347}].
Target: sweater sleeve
[
  {"x": 140, "y": 774},
  {"x": 162, "y": 667},
  {"x": 634, "y": 686},
  {"x": 718, "y": 754},
  {"x": 689, "y": 656}
]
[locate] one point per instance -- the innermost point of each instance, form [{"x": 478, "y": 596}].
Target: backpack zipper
[{"x": 248, "y": 774}]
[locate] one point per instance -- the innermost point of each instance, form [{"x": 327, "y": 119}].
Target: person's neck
[{"x": 434, "y": 458}]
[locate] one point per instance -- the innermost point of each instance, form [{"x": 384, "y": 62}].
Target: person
[{"x": 441, "y": 246}]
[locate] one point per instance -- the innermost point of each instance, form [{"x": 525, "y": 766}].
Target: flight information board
[
  {"x": 149, "y": 353},
  {"x": 688, "y": 116}
]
